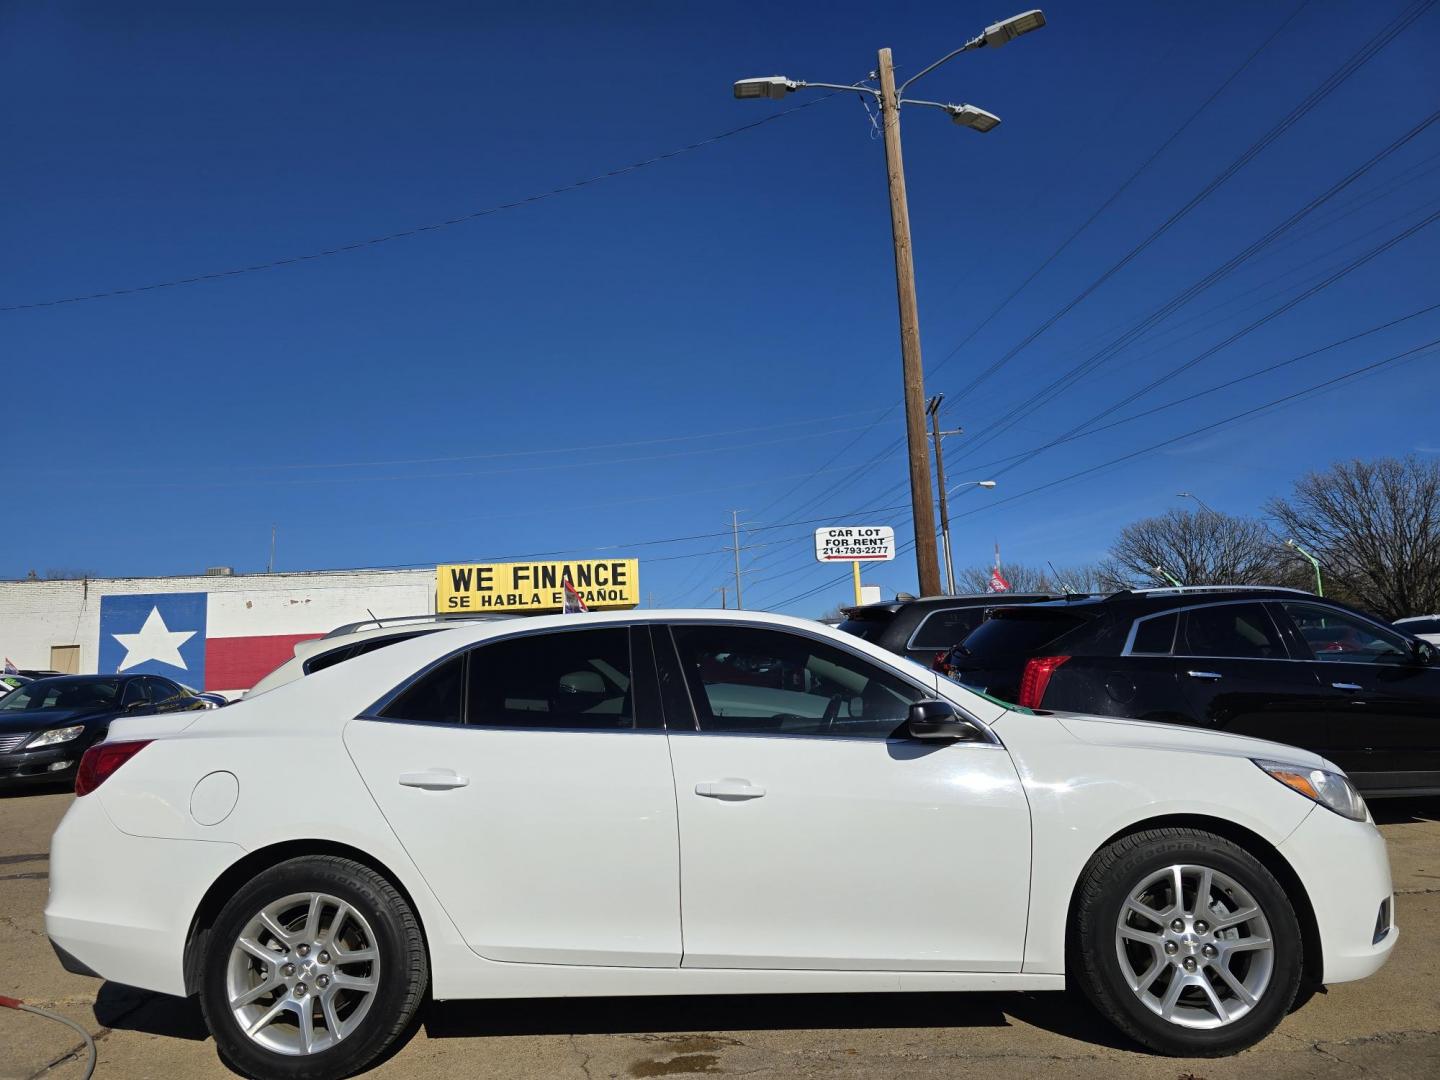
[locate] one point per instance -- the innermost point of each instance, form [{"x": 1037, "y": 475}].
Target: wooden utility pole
[
  {"x": 921, "y": 507},
  {"x": 933, "y": 408}
]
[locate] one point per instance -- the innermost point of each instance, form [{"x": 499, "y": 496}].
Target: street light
[
  {"x": 945, "y": 527},
  {"x": 1169, "y": 576},
  {"x": 1319, "y": 585},
  {"x": 890, "y": 99}
]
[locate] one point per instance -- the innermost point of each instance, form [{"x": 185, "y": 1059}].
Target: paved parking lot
[{"x": 1388, "y": 1026}]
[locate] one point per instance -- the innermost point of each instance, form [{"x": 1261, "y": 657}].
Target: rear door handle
[
  {"x": 1203, "y": 674},
  {"x": 434, "y": 779},
  {"x": 1346, "y": 685},
  {"x": 731, "y": 789}
]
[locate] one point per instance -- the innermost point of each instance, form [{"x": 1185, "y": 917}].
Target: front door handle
[
  {"x": 1346, "y": 685},
  {"x": 434, "y": 779},
  {"x": 1212, "y": 675},
  {"x": 731, "y": 789}
]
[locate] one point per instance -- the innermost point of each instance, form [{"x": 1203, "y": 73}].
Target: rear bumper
[
  {"x": 121, "y": 906},
  {"x": 1346, "y": 872}
]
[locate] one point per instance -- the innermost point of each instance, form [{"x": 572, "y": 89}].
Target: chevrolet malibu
[{"x": 697, "y": 803}]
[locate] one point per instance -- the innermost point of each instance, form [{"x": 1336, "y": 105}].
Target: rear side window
[
  {"x": 1238, "y": 631},
  {"x": 944, "y": 629},
  {"x": 869, "y": 627},
  {"x": 434, "y": 698},
  {"x": 1155, "y": 636},
  {"x": 576, "y": 679},
  {"x": 1024, "y": 631}
]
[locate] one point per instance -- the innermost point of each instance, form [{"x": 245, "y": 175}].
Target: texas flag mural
[{"x": 205, "y": 640}]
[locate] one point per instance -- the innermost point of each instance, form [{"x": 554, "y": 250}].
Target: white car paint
[{"x": 587, "y": 864}]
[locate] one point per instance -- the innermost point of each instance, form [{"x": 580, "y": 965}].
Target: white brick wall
[{"x": 34, "y": 615}]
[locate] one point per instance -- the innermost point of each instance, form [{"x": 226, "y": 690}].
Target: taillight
[
  {"x": 103, "y": 759},
  {"x": 1036, "y": 679}
]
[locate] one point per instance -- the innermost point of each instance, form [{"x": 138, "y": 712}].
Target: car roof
[
  {"x": 1417, "y": 618},
  {"x": 957, "y": 599},
  {"x": 1177, "y": 597}
]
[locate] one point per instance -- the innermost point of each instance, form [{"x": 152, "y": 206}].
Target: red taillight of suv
[
  {"x": 100, "y": 761},
  {"x": 1036, "y": 680}
]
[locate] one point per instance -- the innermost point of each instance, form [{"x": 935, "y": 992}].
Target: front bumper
[
  {"x": 121, "y": 906},
  {"x": 49, "y": 764},
  {"x": 1346, "y": 873}
]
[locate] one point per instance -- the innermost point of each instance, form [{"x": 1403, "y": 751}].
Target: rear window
[
  {"x": 944, "y": 629},
  {"x": 1419, "y": 626},
  {"x": 360, "y": 648},
  {"x": 1024, "y": 631},
  {"x": 867, "y": 625}
]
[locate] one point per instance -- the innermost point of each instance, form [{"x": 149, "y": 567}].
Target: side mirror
[
  {"x": 939, "y": 720},
  {"x": 1424, "y": 653}
]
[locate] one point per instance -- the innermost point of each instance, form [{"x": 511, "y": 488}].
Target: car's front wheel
[
  {"x": 312, "y": 970},
  {"x": 1186, "y": 942}
]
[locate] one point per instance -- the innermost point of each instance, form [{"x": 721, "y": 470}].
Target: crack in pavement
[
  {"x": 585, "y": 1057},
  {"x": 96, "y": 1036}
]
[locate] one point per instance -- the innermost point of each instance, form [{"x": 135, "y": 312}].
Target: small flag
[
  {"x": 574, "y": 602},
  {"x": 10, "y": 668},
  {"x": 997, "y": 582}
]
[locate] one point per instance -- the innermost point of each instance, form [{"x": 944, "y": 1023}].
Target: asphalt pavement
[{"x": 1387, "y": 1026}]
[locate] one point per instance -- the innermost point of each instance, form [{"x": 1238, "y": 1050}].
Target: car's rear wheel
[
  {"x": 312, "y": 970},
  {"x": 1186, "y": 942}
]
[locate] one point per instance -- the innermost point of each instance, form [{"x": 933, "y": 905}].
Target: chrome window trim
[
  {"x": 1134, "y": 628},
  {"x": 990, "y": 741}
]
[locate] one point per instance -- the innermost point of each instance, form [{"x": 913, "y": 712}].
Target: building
[{"x": 214, "y": 631}]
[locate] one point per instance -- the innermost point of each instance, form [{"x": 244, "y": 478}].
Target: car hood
[
  {"x": 35, "y": 719},
  {"x": 1153, "y": 735}
]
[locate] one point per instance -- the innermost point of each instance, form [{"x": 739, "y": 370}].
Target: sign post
[{"x": 855, "y": 544}]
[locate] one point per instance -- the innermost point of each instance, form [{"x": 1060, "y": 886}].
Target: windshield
[
  {"x": 63, "y": 694},
  {"x": 867, "y": 625},
  {"x": 1008, "y": 638}
]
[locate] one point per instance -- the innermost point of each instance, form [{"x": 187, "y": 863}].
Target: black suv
[
  {"x": 1273, "y": 663},
  {"x": 926, "y": 628}
]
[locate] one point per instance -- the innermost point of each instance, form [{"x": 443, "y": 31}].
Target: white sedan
[{"x": 697, "y": 803}]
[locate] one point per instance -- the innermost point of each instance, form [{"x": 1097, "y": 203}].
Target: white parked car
[
  {"x": 1424, "y": 627},
  {"x": 697, "y": 803}
]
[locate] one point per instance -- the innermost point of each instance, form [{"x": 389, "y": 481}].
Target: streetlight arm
[
  {"x": 801, "y": 84},
  {"x": 973, "y": 43}
]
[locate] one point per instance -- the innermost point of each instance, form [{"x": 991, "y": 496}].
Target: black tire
[
  {"x": 403, "y": 971},
  {"x": 1096, "y": 962}
]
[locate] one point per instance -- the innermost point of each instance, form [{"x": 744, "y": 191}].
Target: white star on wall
[{"x": 155, "y": 641}]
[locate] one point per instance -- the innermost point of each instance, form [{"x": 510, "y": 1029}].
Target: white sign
[{"x": 855, "y": 543}]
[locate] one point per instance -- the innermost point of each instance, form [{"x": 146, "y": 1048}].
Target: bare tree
[
  {"x": 1375, "y": 527},
  {"x": 1199, "y": 547},
  {"x": 1026, "y": 578}
]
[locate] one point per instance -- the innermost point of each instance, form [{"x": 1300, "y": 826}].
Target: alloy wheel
[
  {"x": 303, "y": 973},
  {"x": 1194, "y": 946}
]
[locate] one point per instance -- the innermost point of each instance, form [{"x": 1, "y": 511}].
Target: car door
[
  {"x": 529, "y": 779},
  {"x": 1239, "y": 676},
  {"x": 1384, "y": 704},
  {"x": 813, "y": 834}
]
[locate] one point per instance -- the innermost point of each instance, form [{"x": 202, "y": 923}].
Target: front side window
[
  {"x": 576, "y": 679},
  {"x": 434, "y": 698},
  {"x": 1236, "y": 631},
  {"x": 137, "y": 692},
  {"x": 757, "y": 681},
  {"x": 943, "y": 630},
  {"x": 1340, "y": 637}
]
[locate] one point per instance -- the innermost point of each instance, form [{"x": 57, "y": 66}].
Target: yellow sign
[{"x": 535, "y": 586}]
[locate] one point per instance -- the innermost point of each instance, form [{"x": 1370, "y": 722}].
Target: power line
[
  {"x": 375, "y": 241},
  {"x": 1332, "y": 82}
]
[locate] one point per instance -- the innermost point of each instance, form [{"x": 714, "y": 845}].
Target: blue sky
[{"x": 626, "y": 362}]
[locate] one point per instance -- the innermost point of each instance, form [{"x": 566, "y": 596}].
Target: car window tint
[
  {"x": 1012, "y": 632},
  {"x": 750, "y": 680},
  {"x": 1420, "y": 626},
  {"x": 136, "y": 691},
  {"x": 434, "y": 698},
  {"x": 161, "y": 691},
  {"x": 575, "y": 679},
  {"x": 945, "y": 629},
  {"x": 328, "y": 659},
  {"x": 1241, "y": 631},
  {"x": 1339, "y": 637},
  {"x": 870, "y": 626},
  {"x": 359, "y": 648},
  {"x": 1155, "y": 636}
]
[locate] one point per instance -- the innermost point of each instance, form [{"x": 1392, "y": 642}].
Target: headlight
[
  {"x": 56, "y": 735},
  {"x": 1331, "y": 790}
]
